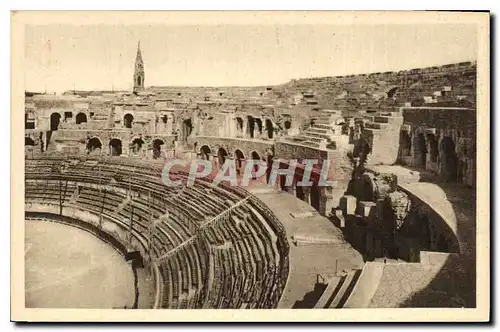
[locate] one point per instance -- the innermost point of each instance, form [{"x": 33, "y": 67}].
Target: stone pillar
[
  {"x": 327, "y": 204},
  {"x": 256, "y": 132},
  {"x": 244, "y": 129},
  {"x": 233, "y": 125},
  {"x": 170, "y": 122}
]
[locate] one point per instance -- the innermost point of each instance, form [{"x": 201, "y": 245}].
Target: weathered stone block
[
  {"x": 348, "y": 204},
  {"x": 366, "y": 209}
]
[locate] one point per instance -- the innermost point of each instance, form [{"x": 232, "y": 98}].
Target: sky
[{"x": 101, "y": 57}]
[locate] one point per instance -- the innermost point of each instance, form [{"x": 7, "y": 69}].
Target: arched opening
[
  {"x": 239, "y": 159},
  {"x": 269, "y": 128},
  {"x": 157, "y": 143},
  {"x": 81, "y": 118},
  {"x": 420, "y": 150},
  {"x": 222, "y": 155},
  {"x": 255, "y": 156},
  {"x": 115, "y": 147},
  {"x": 94, "y": 145},
  {"x": 55, "y": 119},
  {"x": 239, "y": 124},
  {"x": 315, "y": 197},
  {"x": 137, "y": 145},
  {"x": 187, "y": 129},
  {"x": 288, "y": 124},
  {"x": 258, "y": 125},
  {"x": 299, "y": 192},
  {"x": 128, "y": 120},
  {"x": 205, "y": 153},
  {"x": 405, "y": 143},
  {"x": 28, "y": 141},
  {"x": 392, "y": 92},
  {"x": 250, "y": 126},
  {"x": 433, "y": 147},
  {"x": 449, "y": 160}
]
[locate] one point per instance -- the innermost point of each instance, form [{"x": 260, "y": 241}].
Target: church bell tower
[{"x": 139, "y": 71}]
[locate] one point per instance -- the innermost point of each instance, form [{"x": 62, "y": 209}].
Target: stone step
[
  {"x": 376, "y": 125},
  {"x": 322, "y": 126},
  {"x": 313, "y": 138},
  {"x": 395, "y": 113},
  {"x": 343, "y": 289},
  {"x": 328, "y": 293},
  {"x": 311, "y": 144},
  {"x": 387, "y": 119},
  {"x": 315, "y": 134}
]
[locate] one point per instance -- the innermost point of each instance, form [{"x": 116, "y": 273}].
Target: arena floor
[{"x": 67, "y": 267}]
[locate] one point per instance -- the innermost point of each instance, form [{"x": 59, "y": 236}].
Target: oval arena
[
  {"x": 213, "y": 246},
  {"x": 394, "y": 226}
]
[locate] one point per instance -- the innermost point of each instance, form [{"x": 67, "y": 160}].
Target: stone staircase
[
  {"x": 323, "y": 133},
  {"x": 383, "y": 130},
  {"x": 338, "y": 291}
]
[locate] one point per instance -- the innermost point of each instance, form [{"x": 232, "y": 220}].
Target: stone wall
[{"x": 440, "y": 140}]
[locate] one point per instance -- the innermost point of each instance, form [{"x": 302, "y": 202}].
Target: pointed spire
[
  {"x": 139, "y": 54},
  {"x": 139, "y": 70}
]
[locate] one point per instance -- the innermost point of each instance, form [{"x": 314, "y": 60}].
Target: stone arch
[
  {"x": 206, "y": 152},
  {"x": 94, "y": 145},
  {"x": 392, "y": 92},
  {"x": 115, "y": 147},
  {"x": 128, "y": 120},
  {"x": 222, "y": 156},
  {"x": 269, "y": 128},
  {"x": 419, "y": 150},
  {"x": 157, "y": 143},
  {"x": 239, "y": 158},
  {"x": 137, "y": 144},
  {"x": 255, "y": 156},
  {"x": 81, "y": 118},
  {"x": 55, "y": 120},
  {"x": 448, "y": 158}
]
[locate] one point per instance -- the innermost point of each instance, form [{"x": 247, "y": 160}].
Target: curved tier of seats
[{"x": 208, "y": 256}]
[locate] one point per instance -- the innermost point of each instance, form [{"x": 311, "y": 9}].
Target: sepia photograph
[{"x": 257, "y": 166}]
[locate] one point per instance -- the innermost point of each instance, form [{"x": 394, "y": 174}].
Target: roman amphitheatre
[{"x": 395, "y": 228}]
